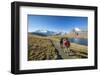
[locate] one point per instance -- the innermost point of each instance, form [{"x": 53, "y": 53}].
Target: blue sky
[{"x": 56, "y": 23}]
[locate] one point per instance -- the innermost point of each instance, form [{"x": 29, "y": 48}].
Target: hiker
[
  {"x": 66, "y": 45},
  {"x": 61, "y": 42}
]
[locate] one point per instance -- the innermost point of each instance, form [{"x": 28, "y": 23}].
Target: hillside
[
  {"x": 48, "y": 48},
  {"x": 40, "y": 48}
]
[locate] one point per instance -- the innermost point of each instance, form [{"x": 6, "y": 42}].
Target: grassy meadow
[
  {"x": 40, "y": 48},
  {"x": 43, "y": 48}
]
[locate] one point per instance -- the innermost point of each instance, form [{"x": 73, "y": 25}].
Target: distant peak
[
  {"x": 41, "y": 31},
  {"x": 77, "y": 29}
]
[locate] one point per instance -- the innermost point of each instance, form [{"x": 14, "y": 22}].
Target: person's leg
[
  {"x": 67, "y": 52},
  {"x": 70, "y": 52},
  {"x": 68, "y": 49},
  {"x": 64, "y": 49}
]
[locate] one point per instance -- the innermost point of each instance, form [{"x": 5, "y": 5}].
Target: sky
[{"x": 56, "y": 23}]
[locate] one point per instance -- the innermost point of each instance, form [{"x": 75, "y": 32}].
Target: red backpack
[{"x": 67, "y": 44}]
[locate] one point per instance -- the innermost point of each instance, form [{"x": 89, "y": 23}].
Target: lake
[{"x": 81, "y": 41}]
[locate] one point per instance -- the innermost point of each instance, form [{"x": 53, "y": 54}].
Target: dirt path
[{"x": 62, "y": 53}]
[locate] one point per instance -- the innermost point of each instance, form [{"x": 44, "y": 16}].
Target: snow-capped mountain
[
  {"x": 44, "y": 32},
  {"x": 79, "y": 30},
  {"x": 76, "y": 29},
  {"x": 41, "y": 31}
]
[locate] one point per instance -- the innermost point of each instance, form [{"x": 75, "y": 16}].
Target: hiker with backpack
[{"x": 66, "y": 45}]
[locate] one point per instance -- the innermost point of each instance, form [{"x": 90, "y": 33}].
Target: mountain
[
  {"x": 77, "y": 29},
  {"x": 44, "y": 33}
]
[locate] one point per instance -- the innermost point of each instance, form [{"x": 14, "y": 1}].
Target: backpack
[{"x": 67, "y": 43}]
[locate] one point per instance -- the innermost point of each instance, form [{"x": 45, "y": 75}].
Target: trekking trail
[{"x": 62, "y": 53}]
